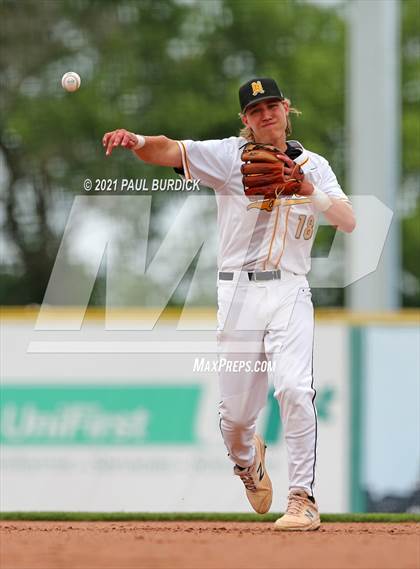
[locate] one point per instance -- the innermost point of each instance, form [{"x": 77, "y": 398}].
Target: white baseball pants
[{"x": 273, "y": 321}]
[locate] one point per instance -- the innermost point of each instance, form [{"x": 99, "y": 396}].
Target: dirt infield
[{"x": 206, "y": 545}]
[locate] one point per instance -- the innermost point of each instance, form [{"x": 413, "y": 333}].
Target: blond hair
[{"x": 247, "y": 133}]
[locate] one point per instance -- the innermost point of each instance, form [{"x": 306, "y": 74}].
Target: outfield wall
[{"x": 100, "y": 420}]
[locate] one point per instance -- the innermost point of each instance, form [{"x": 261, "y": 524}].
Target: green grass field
[{"x": 178, "y": 517}]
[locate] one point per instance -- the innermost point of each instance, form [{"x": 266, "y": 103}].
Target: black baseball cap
[{"x": 258, "y": 89}]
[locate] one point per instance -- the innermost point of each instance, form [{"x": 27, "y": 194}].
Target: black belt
[{"x": 254, "y": 276}]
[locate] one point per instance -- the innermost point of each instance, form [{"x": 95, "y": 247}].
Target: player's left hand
[{"x": 269, "y": 172}]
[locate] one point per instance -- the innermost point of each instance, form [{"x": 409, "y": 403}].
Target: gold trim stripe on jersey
[{"x": 185, "y": 160}]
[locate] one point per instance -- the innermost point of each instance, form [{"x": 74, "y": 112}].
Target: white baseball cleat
[
  {"x": 256, "y": 480},
  {"x": 301, "y": 515}
]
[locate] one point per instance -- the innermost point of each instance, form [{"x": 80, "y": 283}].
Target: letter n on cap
[{"x": 257, "y": 88}]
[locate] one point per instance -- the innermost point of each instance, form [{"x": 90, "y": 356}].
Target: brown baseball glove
[{"x": 268, "y": 172}]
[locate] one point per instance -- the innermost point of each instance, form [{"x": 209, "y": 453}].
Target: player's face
[{"x": 267, "y": 120}]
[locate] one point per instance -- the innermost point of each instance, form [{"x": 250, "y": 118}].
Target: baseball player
[{"x": 270, "y": 192}]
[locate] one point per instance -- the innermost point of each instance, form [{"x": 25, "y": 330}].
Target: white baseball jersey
[{"x": 261, "y": 234}]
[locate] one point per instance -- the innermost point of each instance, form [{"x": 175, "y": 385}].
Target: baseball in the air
[{"x": 70, "y": 81}]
